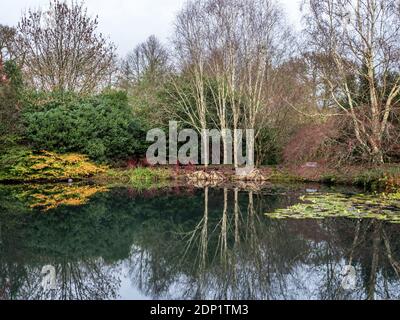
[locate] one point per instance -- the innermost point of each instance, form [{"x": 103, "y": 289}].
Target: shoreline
[{"x": 386, "y": 178}]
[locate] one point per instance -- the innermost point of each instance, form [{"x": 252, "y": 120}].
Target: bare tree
[
  {"x": 148, "y": 61},
  {"x": 61, "y": 50},
  {"x": 359, "y": 42},
  {"x": 191, "y": 54},
  {"x": 265, "y": 44},
  {"x": 7, "y": 36},
  {"x": 222, "y": 40},
  {"x": 230, "y": 48}
]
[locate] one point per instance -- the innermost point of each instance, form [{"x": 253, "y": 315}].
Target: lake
[{"x": 274, "y": 242}]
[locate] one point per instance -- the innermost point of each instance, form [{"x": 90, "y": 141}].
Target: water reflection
[{"x": 192, "y": 244}]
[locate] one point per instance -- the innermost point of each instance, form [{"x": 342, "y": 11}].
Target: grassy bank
[
  {"x": 385, "y": 177},
  {"x": 138, "y": 178},
  {"x": 23, "y": 166}
]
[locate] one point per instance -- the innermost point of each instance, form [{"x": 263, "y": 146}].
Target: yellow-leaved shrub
[{"x": 28, "y": 166}]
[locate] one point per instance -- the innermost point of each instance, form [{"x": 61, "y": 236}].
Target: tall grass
[
  {"x": 140, "y": 178},
  {"x": 145, "y": 178},
  {"x": 147, "y": 174},
  {"x": 377, "y": 178}
]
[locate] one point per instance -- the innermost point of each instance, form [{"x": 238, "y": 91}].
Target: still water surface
[{"x": 188, "y": 243}]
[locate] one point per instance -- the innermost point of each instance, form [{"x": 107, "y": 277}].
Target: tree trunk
[{"x": 225, "y": 146}]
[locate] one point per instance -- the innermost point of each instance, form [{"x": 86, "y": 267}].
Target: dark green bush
[
  {"x": 268, "y": 146},
  {"x": 102, "y": 126},
  {"x": 10, "y": 92}
]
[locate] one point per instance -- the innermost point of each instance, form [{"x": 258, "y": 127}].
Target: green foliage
[
  {"x": 171, "y": 94},
  {"x": 329, "y": 178},
  {"x": 268, "y": 147},
  {"x": 21, "y": 164},
  {"x": 103, "y": 126},
  {"x": 284, "y": 176},
  {"x": 145, "y": 100},
  {"x": 14, "y": 75},
  {"x": 10, "y": 94},
  {"x": 139, "y": 178},
  {"x": 379, "y": 178},
  {"x": 147, "y": 174}
]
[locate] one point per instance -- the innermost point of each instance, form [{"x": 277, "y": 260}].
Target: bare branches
[
  {"x": 230, "y": 50},
  {"x": 7, "y": 36},
  {"x": 60, "y": 49},
  {"x": 362, "y": 67},
  {"x": 148, "y": 61}
]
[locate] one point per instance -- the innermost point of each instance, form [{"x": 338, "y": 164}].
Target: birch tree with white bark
[
  {"x": 231, "y": 49},
  {"x": 360, "y": 41}
]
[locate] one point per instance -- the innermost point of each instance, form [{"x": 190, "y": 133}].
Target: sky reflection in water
[{"x": 192, "y": 244}]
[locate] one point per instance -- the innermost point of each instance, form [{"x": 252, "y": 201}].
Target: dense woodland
[{"x": 328, "y": 93}]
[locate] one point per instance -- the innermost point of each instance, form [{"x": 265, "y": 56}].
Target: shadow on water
[{"x": 190, "y": 244}]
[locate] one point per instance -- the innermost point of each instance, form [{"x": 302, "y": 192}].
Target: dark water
[{"x": 189, "y": 244}]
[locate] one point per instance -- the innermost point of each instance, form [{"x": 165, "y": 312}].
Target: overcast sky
[{"x": 128, "y": 22}]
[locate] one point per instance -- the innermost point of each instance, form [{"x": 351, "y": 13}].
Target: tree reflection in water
[
  {"x": 75, "y": 281},
  {"x": 242, "y": 255},
  {"x": 209, "y": 243}
]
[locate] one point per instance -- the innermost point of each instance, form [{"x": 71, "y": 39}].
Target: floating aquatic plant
[{"x": 385, "y": 207}]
